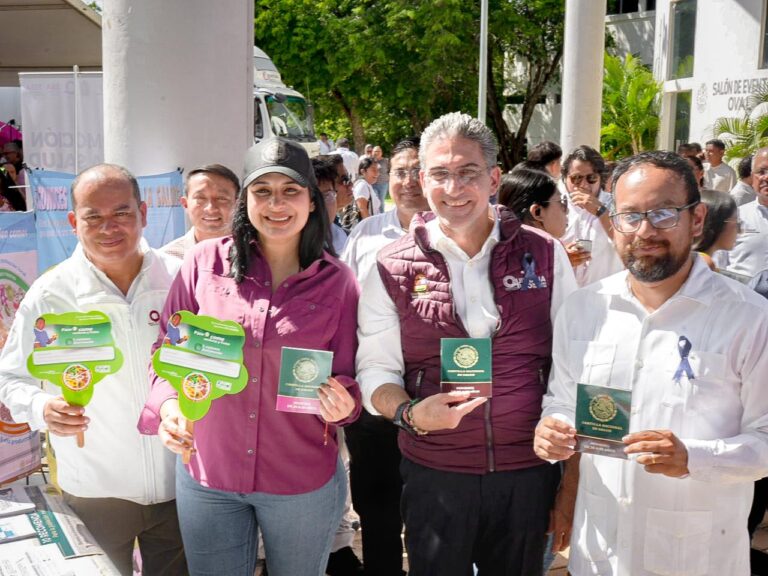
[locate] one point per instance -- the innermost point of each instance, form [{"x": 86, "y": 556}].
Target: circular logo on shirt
[
  {"x": 76, "y": 377},
  {"x": 466, "y": 356},
  {"x": 196, "y": 386},
  {"x": 305, "y": 370},
  {"x": 603, "y": 408}
]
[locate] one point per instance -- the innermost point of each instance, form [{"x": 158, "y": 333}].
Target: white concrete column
[
  {"x": 582, "y": 92},
  {"x": 178, "y": 83}
]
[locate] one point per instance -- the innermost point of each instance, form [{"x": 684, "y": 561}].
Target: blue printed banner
[
  {"x": 165, "y": 215},
  {"x": 51, "y": 199}
]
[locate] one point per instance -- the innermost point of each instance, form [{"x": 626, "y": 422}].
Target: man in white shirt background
[
  {"x": 350, "y": 158},
  {"x": 326, "y": 145},
  {"x": 372, "y": 234},
  {"x": 210, "y": 193},
  {"x": 689, "y": 345},
  {"x": 750, "y": 255},
  {"x": 743, "y": 192},
  {"x": 372, "y": 440},
  {"x": 717, "y": 175},
  {"x": 121, "y": 484}
]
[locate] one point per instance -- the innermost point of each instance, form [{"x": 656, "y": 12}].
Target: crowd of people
[{"x": 575, "y": 275}]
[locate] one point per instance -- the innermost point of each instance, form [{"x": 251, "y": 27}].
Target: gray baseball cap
[{"x": 282, "y": 156}]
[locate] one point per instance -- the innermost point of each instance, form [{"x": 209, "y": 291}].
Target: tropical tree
[
  {"x": 384, "y": 69},
  {"x": 744, "y": 135},
  {"x": 528, "y": 33},
  {"x": 630, "y": 116}
]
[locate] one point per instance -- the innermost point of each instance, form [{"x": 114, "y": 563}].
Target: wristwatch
[
  {"x": 602, "y": 210},
  {"x": 399, "y": 419}
]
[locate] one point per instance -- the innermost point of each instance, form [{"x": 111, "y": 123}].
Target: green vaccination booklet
[{"x": 465, "y": 366}]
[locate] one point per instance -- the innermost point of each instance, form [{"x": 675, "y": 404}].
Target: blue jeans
[
  {"x": 220, "y": 528},
  {"x": 381, "y": 192}
]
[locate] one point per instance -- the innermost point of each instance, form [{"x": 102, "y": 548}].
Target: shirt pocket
[
  {"x": 306, "y": 323},
  {"x": 592, "y": 362},
  {"x": 218, "y": 296},
  {"x": 709, "y": 371},
  {"x": 677, "y": 543},
  {"x": 593, "y": 538}
]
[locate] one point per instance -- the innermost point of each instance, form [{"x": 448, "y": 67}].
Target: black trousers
[
  {"x": 758, "y": 560},
  {"x": 374, "y": 477},
  {"x": 497, "y": 520}
]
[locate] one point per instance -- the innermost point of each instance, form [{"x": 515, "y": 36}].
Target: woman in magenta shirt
[{"x": 255, "y": 468}]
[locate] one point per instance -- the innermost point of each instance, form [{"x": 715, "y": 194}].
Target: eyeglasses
[
  {"x": 577, "y": 179},
  {"x": 660, "y": 218},
  {"x": 561, "y": 200},
  {"x": 736, "y": 221},
  {"x": 401, "y": 174},
  {"x": 462, "y": 176}
]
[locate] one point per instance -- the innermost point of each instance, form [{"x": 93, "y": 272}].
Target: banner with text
[
  {"x": 19, "y": 446},
  {"x": 62, "y": 118},
  {"x": 51, "y": 200}
]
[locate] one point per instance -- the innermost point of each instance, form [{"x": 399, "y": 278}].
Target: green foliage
[
  {"x": 630, "y": 116},
  {"x": 743, "y": 136},
  {"x": 381, "y": 70}
]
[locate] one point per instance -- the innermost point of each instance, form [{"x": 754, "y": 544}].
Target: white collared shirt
[
  {"x": 629, "y": 521},
  {"x": 583, "y": 225},
  {"x": 721, "y": 177},
  {"x": 379, "y": 353},
  {"x": 749, "y": 256},
  {"x": 366, "y": 239}
]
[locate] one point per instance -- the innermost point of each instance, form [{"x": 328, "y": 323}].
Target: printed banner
[
  {"x": 165, "y": 215},
  {"x": 19, "y": 446},
  {"x": 50, "y": 193},
  {"x": 48, "y": 109}
]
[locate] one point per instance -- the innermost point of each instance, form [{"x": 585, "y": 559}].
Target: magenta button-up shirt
[{"x": 244, "y": 444}]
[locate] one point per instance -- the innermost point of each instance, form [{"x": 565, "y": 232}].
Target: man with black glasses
[{"x": 679, "y": 350}]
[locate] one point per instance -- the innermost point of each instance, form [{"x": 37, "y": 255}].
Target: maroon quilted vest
[{"x": 499, "y": 434}]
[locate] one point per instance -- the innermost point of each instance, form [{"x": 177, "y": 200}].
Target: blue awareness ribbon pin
[
  {"x": 684, "y": 348},
  {"x": 529, "y": 267}
]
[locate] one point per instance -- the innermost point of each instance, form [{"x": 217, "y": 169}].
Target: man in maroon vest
[{"x": 474, "y": 491}]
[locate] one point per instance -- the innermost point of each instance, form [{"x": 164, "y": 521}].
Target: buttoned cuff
[
  {"x": 372, "y": 378},
  {"x": 701, "y": 458},
  {"x": 149, "y": 420}
]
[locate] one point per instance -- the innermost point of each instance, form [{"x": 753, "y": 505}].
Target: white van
[{"x": 278, "y": 109}]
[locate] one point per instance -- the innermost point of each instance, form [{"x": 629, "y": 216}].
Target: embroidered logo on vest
[
  {"x": 420, "y": 289},
  {"x": 529, "y": 281}
]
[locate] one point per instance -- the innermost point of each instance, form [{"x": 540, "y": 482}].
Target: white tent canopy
[{"x": 47, "y": 35}]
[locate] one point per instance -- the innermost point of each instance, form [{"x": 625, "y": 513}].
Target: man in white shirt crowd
[
  {"x": 718, "y": 175},
  {"x": 743, "y": 192},
  {"x": 350, "y": 158},
  {"x": 588, "y": 222},
  {"x": 750, "y": 255},
  {"x": 120, "y": 483},
  {"x": 209, "y": 199},
  {"x": 689, "y": 344},
  {"x": 372, "y": 440},
  {"x": 372, "y": 234},
  {"x": 473, "y": 490}
]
